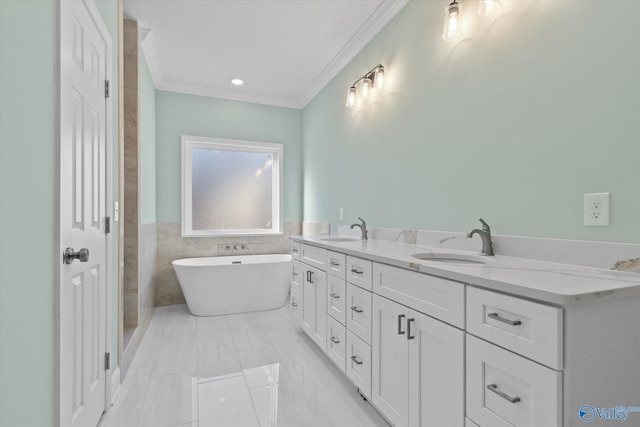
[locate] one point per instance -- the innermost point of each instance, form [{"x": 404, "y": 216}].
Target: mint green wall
[
  {"x": 147, "y": 144},
  {"x": 27, "y": 156},
  {"x": 178, "y": 114},
  {"x": 27, "y": 152},
  {"x": 514, "y": 124}
]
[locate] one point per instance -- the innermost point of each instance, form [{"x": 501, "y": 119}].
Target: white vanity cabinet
[
  {"x": 530, "y": 347},
  {"x": 314, "y": 305},
  {"x": 418, "y": 367},
  {"x": 514, "y": 372},
  {"x": 296, "y": 287}
]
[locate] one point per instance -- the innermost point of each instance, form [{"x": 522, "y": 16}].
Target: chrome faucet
[
  {"x": 485, "y": 235},
  {"x": 363, "y": 228}
]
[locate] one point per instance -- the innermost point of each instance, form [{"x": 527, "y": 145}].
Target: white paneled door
[{"x": 85, "y": 66}]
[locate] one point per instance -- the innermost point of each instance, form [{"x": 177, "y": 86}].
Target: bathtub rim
[{"x": 227, "y": 260}]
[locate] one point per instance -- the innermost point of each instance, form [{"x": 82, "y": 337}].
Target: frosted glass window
[{"x": 230, "y": 187}]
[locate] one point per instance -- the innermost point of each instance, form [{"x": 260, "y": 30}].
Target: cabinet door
[
  {"x": 319, "y": 283},
  {"x": 296, "y": 306},
  {"x": 390, "y": 364},
  {"x": 436, "y": 372},
  {"x": 296, "y": 276},
  {"x": 308, "y": 314}
]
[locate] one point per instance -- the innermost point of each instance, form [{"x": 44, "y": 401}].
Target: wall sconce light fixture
[
  {"x": 453, "y": 17},
  {"x": 452, "y": 22},
  {"x": 487, "y": 7},
  {"x": 372, "y": 79}
]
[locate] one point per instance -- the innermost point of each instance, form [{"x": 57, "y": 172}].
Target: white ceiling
[{"x": 286, "y": 51}]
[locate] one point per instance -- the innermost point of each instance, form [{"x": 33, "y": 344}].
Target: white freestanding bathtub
[{"x": 214, "y": 286}]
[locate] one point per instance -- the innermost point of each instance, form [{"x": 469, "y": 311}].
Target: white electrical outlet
[
  {"x": 341, "y": 214},
  {"x": 596, "y": 209}
]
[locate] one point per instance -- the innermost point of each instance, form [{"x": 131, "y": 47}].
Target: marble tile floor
[{"x": 244, "y": 370}]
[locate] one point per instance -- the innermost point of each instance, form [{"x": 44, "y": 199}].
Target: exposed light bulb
[
  {"x": 366, "y": 87},
  {"x": 236, "y": 81},
  {"x": 378, "y": 79},
  {"x": 351, "y": 97},
  {"x": 487, "y": 7},
  {"x": 452, "y": 23}
]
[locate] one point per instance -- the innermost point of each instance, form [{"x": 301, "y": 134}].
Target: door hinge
[
  {"x": 107, "y": 225},
  {"x": 107, "y": 361},
  {"x": 107, "y": 92}
]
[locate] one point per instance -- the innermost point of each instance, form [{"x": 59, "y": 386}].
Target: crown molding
[
  {"x": 383, "y": 14},
  {"x": 151, "y": 56},
  {"x": 232, "y": 95}
]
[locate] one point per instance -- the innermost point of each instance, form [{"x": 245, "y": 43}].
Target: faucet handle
[
  {"x": 363, "y": 223},
  {"x": 485, "y": 226}
]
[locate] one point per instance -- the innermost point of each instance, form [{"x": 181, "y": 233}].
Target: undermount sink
[
  {"x": 452, "y": 258},
  {"x": 340, "y": 239}
]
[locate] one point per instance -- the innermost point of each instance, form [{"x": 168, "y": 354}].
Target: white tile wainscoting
[{"x": 255, "y": 369}]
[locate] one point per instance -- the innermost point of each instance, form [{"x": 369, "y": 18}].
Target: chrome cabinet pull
[
  {"x": 499, "y": 318},
  {"x": 356, "y": 271},
  {"x": 333, "y": 295},
  {"x": 355, "y": 359},
  {"x": 400, "y": 331},
  {"x": 294, "y": 304},
  {"x": 311, "y": 277},
  {"x": 335, "y": 340},
  {"x": 294, "y": 273},
  {"x": 294, "y": 250},
  {"x": 494, "y": 388},
  {"x": 356, "y": 309},
  {"x": 334, "y": 263},
  {"x": 409, "y": 322}
]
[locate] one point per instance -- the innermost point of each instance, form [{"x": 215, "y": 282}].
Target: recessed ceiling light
[{"x": 237, "y": 82}]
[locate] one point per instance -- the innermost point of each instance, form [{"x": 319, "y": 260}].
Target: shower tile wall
[
  {"x": 148, "y": 261},
  {"x": 130, "y": 208},
  {"x": 171, "y": 246}
]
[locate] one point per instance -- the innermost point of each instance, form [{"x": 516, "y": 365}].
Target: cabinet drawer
[
  {"x": 311, "y": 255},
  {"x": 359, "y": 272},
  {"x": 531, "y": 329},
  {"x": 295, "y": 250},
  {"x": 359, "y": 312},
  {"x": 336, "y": 264},
  {"x": 336, "y": 342},
  {"x": 431, "y": 295},
  {"x": 504, "y": 389},
  {"x": 337, "y": 298},
  {"x": 359, "y": 363},
  {"x": 296, "y": 276},
  {"x": 296, "y": 304}
]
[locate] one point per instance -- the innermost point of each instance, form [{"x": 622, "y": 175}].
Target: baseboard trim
[{"x": 115, "y": 384}]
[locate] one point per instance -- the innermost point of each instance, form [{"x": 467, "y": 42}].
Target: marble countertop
[{"x": 555, "y": 283}]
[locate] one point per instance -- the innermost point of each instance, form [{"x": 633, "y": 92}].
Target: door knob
[{"x": 70, "y": 254}]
